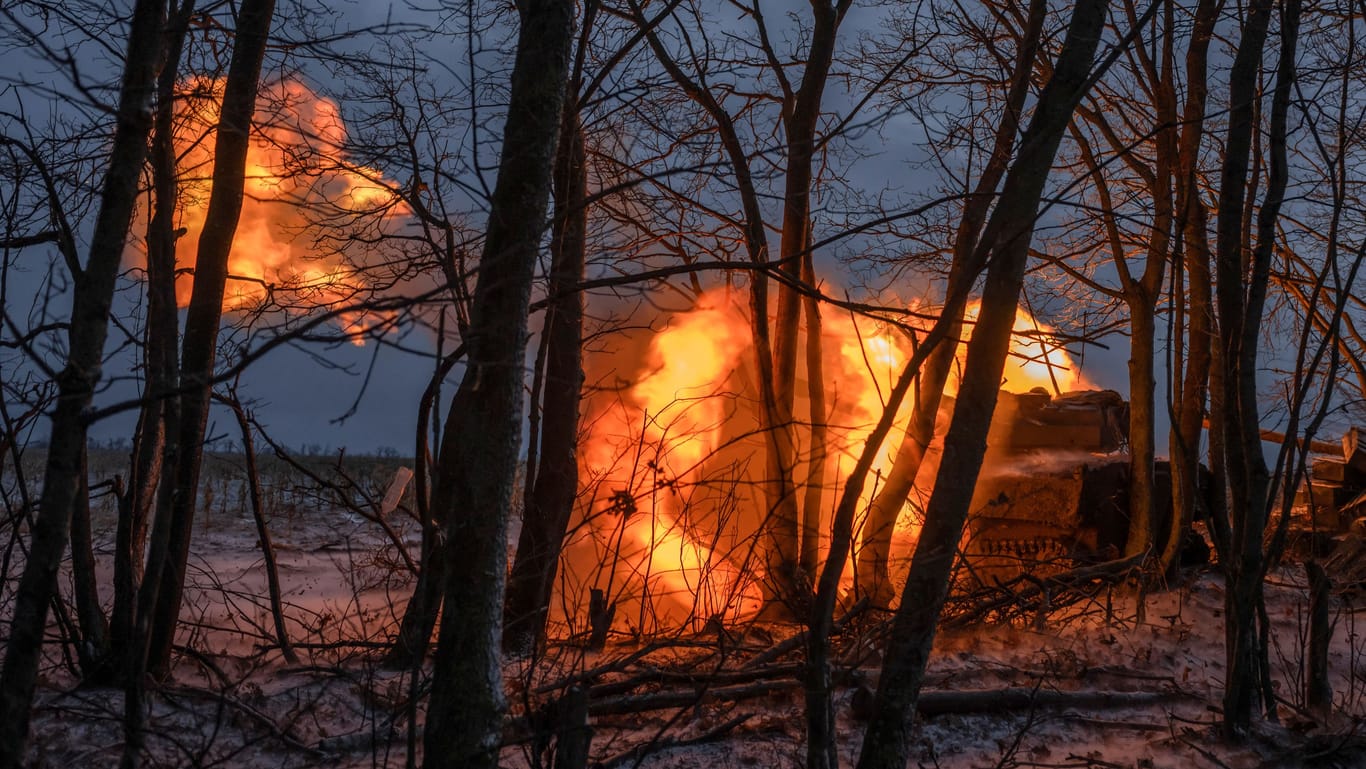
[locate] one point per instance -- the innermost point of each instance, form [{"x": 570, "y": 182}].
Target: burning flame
[
  {"x": 648, "y": 447},
  {"x": 1034, "y": 361},
  {"x": 296, "y": 175},
  {"x": 663, "y": 451}
]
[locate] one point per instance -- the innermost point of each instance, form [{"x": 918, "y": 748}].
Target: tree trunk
[
  {"x": 258, "y": 516},
  {"x": 160, "y": 408},
  {"x": 875, "y": 553},
  {"x": 1218, "y": 415},
  {"x": 545, "y": 516},
  {"x": 779, "y": 529},
  {"x": 166, "y": 570},
  {"x": 94, "y": 290},
  {"x": 419, "y": 617},
  {"x": 1318, "y": 693},
  {"x": 815, "y": 391},
  {"x": 1242, "y": 281},
  {"x": 475, "y": 478},
  {"x": 886, "y": 741},
  {"x": 1156, "y": 76},
  {"x": 1191, "y": 226},
  {"x": 802, "y": 113},
  {"x": 1142, "y": 295},
  {"x": 821, "y": 743},
  {"x": 1142, "y": 413},
  {"x": 92, "y": 647}
]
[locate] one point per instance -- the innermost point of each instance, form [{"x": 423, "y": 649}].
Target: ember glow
[
  {"x": 646, "y": 452},
  {"x": 1034, "y": 361},
  {"x": 673, "y": 458},
  {"x": 297, "y": 175}
]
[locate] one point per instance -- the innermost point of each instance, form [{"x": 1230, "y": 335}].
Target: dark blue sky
[{"x": 301, "y": 402}]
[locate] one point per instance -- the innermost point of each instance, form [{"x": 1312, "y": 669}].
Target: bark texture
[
  {"x": 1007, "y": 237},
  {"x": 165, "y": 579},
  {"x": 94, "y": 291},
  {"x": 545, "y": 516},
  {"x": 475, "y": 478}
]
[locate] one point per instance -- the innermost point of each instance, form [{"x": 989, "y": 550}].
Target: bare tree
[
  {"x": 555, "y": 486},
  {"x": 1140, "y": 284},
  {"x": 1191, "y": 267},
  {"x": 159, "y": 602},
  {"x": 159, "y": 414},
  {"x": 789, "y": 559},
  {"x": 94, "y": 290},
  {"x": 475, "y": 480},
  {"x": 553, "y": 482},
  {"x": 1243, "y": 269},
  {"x": 888, "y": 503},
  {"x": 1006, "y": 239}
]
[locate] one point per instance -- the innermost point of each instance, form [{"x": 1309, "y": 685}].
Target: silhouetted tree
[
  {"x": 479, "y": 452},
  {"x": 159, "y": 602},
  {"x": 93, "y": 295},
  {"x": 1242, "y": 267},
  {"x": 1006, "y": 238}
]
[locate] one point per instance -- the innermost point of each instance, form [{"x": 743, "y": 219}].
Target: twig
[
  {"x": 799, "y": 640},
  {"x": 264, "y": 720},
  {"x": 641, "y": 751},
  {"x": 1138, "y": 726}
]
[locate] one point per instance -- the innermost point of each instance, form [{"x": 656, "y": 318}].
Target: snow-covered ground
[{"x": 1091, "y": 686}]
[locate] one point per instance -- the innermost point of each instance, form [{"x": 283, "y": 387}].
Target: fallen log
[
  {"x": 939, "y": 703},
  {"x": 931, "y": 703},
  {"x": 684, "y": 698},
  {"x": 1318, "y": 447},
  {"x": 698, "y": 678}
]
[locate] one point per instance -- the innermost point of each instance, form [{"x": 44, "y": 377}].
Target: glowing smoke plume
[{"x": 297, "y": 178}]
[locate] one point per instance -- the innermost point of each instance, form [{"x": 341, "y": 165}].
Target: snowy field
[{"x": 1095, "y": 683}]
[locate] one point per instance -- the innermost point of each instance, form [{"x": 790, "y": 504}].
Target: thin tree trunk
[
  {"x": 94, "y": 291},
  {"x": 815, "y": 391},
  {"x": 1143, "y": 295},
  {"x": 1141, "y": 291},
  {"x": 1318, "y": 687},
  {"x": 200, "y": 345},
  {"x": 92, "y": 647},
  {"x": 160, "y": 408},
  {"x": 546, "y": 512},
  {"x": 1142, "y": 414},
  {"x": 475, "y": 478},
  {"x": 821, "y": 743},
  {"x": 1191, "y": 225},
  {"x": 886, "y": 742},
  {"x": 258, "y": 515},
  {"x": 1242, "y": 281},
  {"x": 419, "y": 617},
  {"x": 778, "y": 529},
  {"x": 802, "y": 113},
  {"x": 886, "y": 508}
]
